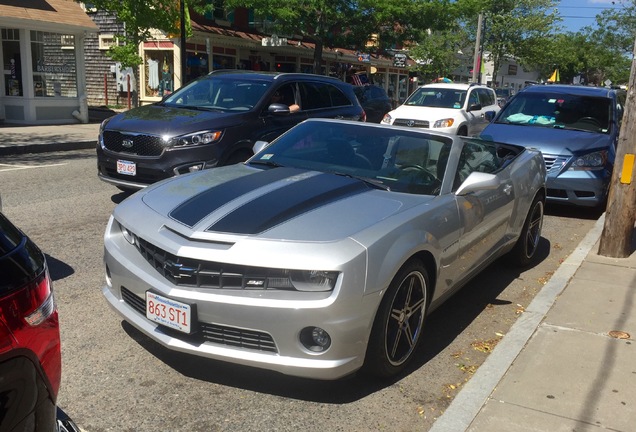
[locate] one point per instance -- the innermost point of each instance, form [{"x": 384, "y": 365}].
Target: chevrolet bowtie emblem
[{"x": 177, "y": 270}]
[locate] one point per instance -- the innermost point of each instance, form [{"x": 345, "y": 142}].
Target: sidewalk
[
  {"x": 21, "y": 139},
  {"x": 563, "y": 366}
]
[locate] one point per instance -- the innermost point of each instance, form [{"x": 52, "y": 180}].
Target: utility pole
[
  {"x": 477, "y": 60},
  {"x": 616, "y": 238},
  {"x": 184, "y": 60}
]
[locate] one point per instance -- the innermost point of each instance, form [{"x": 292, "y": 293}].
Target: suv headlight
[
  {"x": 590, "y": 161},
  {"x": 196, "y": 138},
  {"x": 444, "y": 123}
]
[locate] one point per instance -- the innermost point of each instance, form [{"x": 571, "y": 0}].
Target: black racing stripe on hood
[
  {"x": 287, "y": 202},
  {"x": 199, "y": 206}
]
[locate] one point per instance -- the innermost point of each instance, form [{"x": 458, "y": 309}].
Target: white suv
[{"x": 461, "y": 109}]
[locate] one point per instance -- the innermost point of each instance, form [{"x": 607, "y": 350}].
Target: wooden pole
[{"x": 616, "y": 238}]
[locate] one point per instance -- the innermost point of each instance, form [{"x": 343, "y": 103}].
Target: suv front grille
[
  {"x": 412, "y": 123},
  {"x": 140, "y": 145},
  {"x": 553, "y": 164},
  {"x": 218, "y": 334},
  {"x": 206, "y": 274}
]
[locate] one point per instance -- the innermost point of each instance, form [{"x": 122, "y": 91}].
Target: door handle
[{"x": 507, "y": 189}]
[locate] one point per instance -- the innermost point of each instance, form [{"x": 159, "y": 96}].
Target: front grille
[
  {"x": 190, "y": 272},
  {"x": 554, "y": 164},
  {"x": 134, "y": 144},
  {"x": 412, "y": 123},
  {"x": 218, "y": 334}
]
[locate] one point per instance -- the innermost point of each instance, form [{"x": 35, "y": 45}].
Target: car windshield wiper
[
  {"x": 268, "y": 163},
  {"x": 378, "y": 184}
]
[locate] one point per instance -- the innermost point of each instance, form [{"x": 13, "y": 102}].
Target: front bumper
[
  {"x": 579, "y": 188},
  {"x": 153, "y": 169},
  {"x": 276, "y": 317}
]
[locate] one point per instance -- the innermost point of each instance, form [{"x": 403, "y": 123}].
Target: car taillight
[
  {"x": 364, "y": 116},
  {"x": 30, "y": 318}
]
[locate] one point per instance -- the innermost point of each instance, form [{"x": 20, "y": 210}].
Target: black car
[
  {"x": 214, "y": 121},
  {"x": 374, "y": 100},
  {"x": 30, "y": 348}
]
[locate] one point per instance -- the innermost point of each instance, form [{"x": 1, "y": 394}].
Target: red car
[{"x": 30, "y": 357}]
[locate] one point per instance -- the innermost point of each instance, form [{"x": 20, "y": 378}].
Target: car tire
[
  {"x": 397, "y": 329},
  {"x": 526, "y": 247}
]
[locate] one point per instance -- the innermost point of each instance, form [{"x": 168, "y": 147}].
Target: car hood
[
  {"x": 170, "y": 121},
  {"x": 549, "y": 140},
  {"x": 280, "y": 203},
  {"x": 424, "y": 113}
]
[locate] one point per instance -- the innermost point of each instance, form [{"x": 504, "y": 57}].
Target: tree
[
  {"x": 342, "y": 23},
  {"x": 514, "y": 28},
  {"x": 437, "y": 52}
]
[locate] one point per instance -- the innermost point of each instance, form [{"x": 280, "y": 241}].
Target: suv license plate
[
  {"x": 126, "y": 168},
  {"x": 168, "y": 312}
]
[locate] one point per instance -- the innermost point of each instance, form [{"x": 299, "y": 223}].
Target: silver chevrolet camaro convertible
[{"x": 324, "y": 252}]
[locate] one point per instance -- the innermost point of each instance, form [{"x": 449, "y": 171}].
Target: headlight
[
  {"x": 444, "y": 123},
  {"x": 129, "y": 236},
  {"x": 386, "y": 119},
  {"x": 313, "y": 280},
  {"x": 300, "y": 280},
  {"x": 197, "y": 138},
  {"x": 590, "y": 161}
]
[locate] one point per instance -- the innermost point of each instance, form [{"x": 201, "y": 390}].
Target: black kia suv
[{"x": 213, "y": 121}]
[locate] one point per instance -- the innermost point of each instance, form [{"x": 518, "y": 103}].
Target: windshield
[
  {"x": 219, "y": 94},
  {"x": 385, "y": 158},
  {"x": 437, "y": 97},
  {"x": 558, "y": 110}
]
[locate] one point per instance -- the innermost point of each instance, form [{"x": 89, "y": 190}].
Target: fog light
[
  {"x": 185, "y": 169},
  {"x": 315, "y": 339}
]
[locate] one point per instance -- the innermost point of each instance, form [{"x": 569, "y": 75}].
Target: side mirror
[
  {"x": 258, "y": 146},
  {"x": 489, "y": 115},
  {"x": 477, "y": 181},
  {"x": 278, "y": 109},
  {"x": 474, "y": 107}
]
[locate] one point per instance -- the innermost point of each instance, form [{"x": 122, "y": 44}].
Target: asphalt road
[{"x": 115, "y": 379}]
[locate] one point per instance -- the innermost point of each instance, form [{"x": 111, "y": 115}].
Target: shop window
[
  {"x": 159, "y": 73},
  {"x": 223, "y": 62},
  {"x": 106, "y": 41},
  {"x": 12, "y": 62},
  {"x": 54, "y": 68},
  {"x": 197, "y": 65}
]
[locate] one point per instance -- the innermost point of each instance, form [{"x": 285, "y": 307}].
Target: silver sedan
[{"x": 324, "y": 253}]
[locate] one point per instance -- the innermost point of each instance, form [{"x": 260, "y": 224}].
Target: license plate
[
  {"x": 126, "y": 168},
  {"x": 168, "y": 312}
]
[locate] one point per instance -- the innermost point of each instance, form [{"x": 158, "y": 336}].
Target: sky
[{"x": 577, "y": 14}]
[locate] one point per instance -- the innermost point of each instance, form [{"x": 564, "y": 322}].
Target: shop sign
[
  {"x": 53, "y": 68},
  {"x": 365, "y": 58},
  {"x": 399, "y": 60},
  {"x": 274, "y": 40}
]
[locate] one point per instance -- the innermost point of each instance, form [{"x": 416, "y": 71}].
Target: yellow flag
[{"x": 554, "y": 77}]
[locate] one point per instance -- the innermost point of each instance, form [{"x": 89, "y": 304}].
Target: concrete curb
[
  {"x": 46, "y": 147},
  {"x": 470, "y": 400}
]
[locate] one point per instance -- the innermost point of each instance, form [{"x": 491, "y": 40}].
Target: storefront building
[
  {"x": 224, "y": 44},
  {"x": 232, "y": 41},
  {"x": 43, "y": 75}
]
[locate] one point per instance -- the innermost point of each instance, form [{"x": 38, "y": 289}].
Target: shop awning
[{"x": 63, "y": 16}]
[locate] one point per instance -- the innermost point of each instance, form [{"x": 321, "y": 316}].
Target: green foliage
[
  {"x": 521, "y": 29},
  {"x": 437, "y": 52},
  {"x": 347, "y": 24}
]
